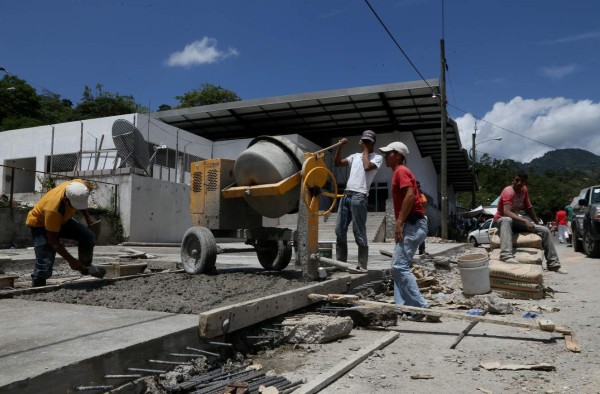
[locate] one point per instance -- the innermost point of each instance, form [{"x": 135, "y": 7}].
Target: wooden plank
[
  {"x": 572, "y": 343},
  {"x": 466, "y": 331},
  {"x": 316, "y": 385},
  {"x": 254, "y": 311},
  {"x": 547, "y": 326}
]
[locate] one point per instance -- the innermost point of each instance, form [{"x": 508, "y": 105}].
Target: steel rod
[
  {"x": 131, "y": 376},
  {"x": 169, "y": 362},
  {"x": 146, "y": 370},
  {"x": 93, "y": 388},
  {"x": 203, "y": 352}
]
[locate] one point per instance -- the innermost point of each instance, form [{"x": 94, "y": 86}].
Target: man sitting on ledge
[{"x": 513, "y": 199}]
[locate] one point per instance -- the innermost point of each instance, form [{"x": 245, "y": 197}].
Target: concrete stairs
[{"x": 374, "y": 224}]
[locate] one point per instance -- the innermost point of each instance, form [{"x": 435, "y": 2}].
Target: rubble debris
[
  {"x": 371, "y": 315},
  {"x": 421, "y": 376},
  {"x": 494, "y": 365},
  {"x": 318, "y": 329}
]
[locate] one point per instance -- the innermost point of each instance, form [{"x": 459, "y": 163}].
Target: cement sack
[
  {"x": 523, "y": 255},
  {"x": 518, "y": 295},
  {"x": 528, "y": 273},
  {"x": 520, "y": 240},
  {"x": 509, "y": 284}
]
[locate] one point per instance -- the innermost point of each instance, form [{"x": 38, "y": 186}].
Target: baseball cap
[
  {"x": 368, "y": 135},
  {"x": 397, "y": 146},
  {"x": 78, "y": 193}
]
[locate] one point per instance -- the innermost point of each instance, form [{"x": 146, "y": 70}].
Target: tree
[
  {"x": 54, "y": 109},
  {"x": 207, "y": 94},
  {"x": 164, "y": 107},
  {"x": 19, "y": 104},
  {"x": 103, "y": 104}
]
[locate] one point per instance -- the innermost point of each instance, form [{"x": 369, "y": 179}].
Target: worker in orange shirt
[{"x": 52, "y": 219}]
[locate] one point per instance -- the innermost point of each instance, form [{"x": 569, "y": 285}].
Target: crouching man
[{"x": 51, "y": 219}]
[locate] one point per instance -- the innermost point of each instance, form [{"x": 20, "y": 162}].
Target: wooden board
[
  {"x": 316, "y": 385},
  {"x": 546, "y": 325},
  {"x": 572, "y": 343},
  {"x": 254, "y": 311}
]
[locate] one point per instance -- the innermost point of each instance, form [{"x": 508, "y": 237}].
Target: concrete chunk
[
  {"x": 368, "y": 316},
  {"x": 317, "y": 329}
]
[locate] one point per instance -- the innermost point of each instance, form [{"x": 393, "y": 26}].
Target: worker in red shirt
[{"x": 561, "y": 219}]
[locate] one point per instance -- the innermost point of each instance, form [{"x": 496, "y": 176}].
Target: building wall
[
  {"x": 154, "y": 210},
  {"x": 159, "y": 210}
]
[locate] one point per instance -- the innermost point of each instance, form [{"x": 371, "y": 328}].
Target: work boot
[
  {"x": 38, "y": 282},
  {"x": 341, "y": 252},
  {"x": 363, "y": 257}
]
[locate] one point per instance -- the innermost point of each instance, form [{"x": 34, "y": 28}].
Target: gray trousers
[{"x": 507, "y": 226}]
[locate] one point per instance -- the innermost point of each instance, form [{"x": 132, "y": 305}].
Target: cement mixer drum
[{"x": 269, "y": 160}]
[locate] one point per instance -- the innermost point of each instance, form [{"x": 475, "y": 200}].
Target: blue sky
[{"x": 529, "y": 66}]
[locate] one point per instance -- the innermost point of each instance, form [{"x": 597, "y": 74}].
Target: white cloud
[
  {"x": 592, "y": 35},
  {"x": 534, "y": 127},
  {"x": 558, "y": 72},
  {"x": 200, "y": 52}
]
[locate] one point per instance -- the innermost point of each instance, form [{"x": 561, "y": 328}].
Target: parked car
[
  {"x": 586, "y": 222},
  {"x": 482, "y": 234}
]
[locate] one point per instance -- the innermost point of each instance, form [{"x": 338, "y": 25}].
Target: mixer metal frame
[{"x": 218, "y": 209}]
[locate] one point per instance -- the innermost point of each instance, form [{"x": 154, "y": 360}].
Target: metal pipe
[{"x": 131, "y": 376}]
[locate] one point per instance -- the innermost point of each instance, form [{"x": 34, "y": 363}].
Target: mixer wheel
[
  {"x": 273, "y": 255},
  {"x": 198, "y": 251}
]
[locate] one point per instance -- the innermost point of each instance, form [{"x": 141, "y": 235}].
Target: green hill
[{"x": 565, "y": 161}]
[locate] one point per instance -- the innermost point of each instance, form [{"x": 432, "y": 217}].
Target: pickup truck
[{"x": 586, "y": 221}]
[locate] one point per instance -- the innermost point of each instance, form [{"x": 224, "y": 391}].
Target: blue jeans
[
  {"x": 352, "y": 209},
  {"x": 406, "y": 290},
  {"x": 507, "y": 227},
  {"x": 45, "y": 254}
]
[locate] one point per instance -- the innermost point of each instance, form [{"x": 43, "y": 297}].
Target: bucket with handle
[{"x": 474, "y": 273}]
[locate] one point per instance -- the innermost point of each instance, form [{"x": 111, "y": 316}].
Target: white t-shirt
[{"x": 360, "y": 180}]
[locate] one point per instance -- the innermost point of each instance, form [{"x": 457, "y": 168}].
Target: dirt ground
[
  {"x": 176, "y": 292},
  {"x": 424, "y": 348}
]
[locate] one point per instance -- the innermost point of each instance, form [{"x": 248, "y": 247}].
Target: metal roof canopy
[{"x": 320, "y": 116}]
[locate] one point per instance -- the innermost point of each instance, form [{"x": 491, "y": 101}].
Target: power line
[
  {"x": 397, "y": 45},
  {"x": 503, "y": 128}
]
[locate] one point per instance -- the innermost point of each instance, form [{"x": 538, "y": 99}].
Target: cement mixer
[{"x": 271, "y": 178}]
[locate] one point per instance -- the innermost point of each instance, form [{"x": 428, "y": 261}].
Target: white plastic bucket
[
  {"x": 473, "y": 260},
  {"x": 474, "y": 273}
]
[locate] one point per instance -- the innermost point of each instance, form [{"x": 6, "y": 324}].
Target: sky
[{"x": 525, "y": 70}]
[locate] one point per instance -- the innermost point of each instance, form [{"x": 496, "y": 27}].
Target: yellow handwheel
[{"x": 312, "y": 185}]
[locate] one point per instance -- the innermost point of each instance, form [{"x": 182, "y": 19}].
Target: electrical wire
[
  {"x": 502, "y": 128},
  {"x": 398, "y": 45}
]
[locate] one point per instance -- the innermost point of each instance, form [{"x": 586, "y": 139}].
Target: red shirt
[
  {"x": 518, "y": 200},
  {"x": 561, "y": 217},
  {"x": 401, "y": 179}
]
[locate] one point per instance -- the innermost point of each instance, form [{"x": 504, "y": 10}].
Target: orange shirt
[{"x": 52, "y": 211}]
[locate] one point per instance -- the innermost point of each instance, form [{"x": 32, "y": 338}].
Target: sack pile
[{"x": 518, "y": 281}]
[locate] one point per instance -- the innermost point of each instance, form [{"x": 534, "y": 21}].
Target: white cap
[
  {"x": 78, "y": 194},
  {"x": 397, "y": 146}
]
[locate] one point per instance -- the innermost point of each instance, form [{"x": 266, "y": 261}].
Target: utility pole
[
  {"x": 474, "y": 160},
  {"x": 444, "y": 159}
]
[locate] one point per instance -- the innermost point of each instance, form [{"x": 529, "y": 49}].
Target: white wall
[{"x": 160, "y": 210}]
